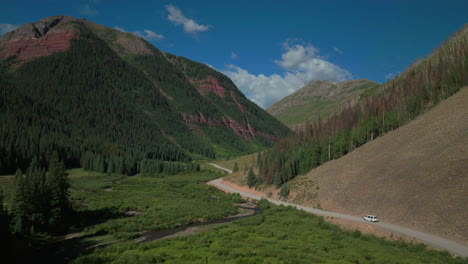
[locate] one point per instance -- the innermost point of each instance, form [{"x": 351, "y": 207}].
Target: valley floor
[{"x": 116, "y": 213}]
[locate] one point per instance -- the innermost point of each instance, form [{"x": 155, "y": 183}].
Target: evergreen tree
[
  {"x": 277, "y": 181},
  {"x": 30, "y": 203},
  {"x": 251, "y": 178},
  {"x": 19, "y": 206},
  {"x": 57, "y": 188},
  {"x": 236, "y": 168}
]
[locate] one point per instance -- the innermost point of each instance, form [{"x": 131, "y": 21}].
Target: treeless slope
[
  {"x": 320, "y": 99},
  {"x": 415, "y": 176}
]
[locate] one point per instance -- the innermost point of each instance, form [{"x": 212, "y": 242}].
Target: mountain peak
[
  {"x": 42, "y": 38},
  {"x": 319, "y": 98},
  {"x": 53, "y": 34},
  {"x": 36, "y": 30}
]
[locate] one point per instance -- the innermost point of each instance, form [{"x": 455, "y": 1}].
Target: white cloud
[
  {"x": 149, "y": 35},
  {"x": 389, "y": 76},
  {"x": 4, "y": 28},
  {"x": 295, "y": 55},
  {"x": 337, "y": 50},
  {"x": 301, "y": 64},
  {"x": 87, "y": 10},
  {"x": 177, "y": 18},
  {"x": 233, "y": 55},
  {"x": 263, "y": 90}
]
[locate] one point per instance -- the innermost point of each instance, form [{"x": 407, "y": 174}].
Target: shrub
[{"x": 284, "y": 192}]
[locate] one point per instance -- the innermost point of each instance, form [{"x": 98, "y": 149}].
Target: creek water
[{"x": 158, "y": 234}]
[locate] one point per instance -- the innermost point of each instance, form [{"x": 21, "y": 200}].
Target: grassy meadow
[
  {"x": 104, "y": 230},
  {"x": 278, "y": 235},
  {"x": 160, "y": 203}
]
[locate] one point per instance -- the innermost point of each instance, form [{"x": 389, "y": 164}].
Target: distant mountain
[
  {"x": 320, "y": 99},
  {"x": 107, "y": 100}
]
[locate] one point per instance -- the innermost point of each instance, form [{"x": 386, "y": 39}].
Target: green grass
[
  {"x": 309, "y": 111},
  {"x": 279, "y": 235},
  {"x": 242, "y": 161},
  {"x": 163, "y": 202}
]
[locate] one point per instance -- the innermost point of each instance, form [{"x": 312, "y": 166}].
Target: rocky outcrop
[
  {"x": 245, "y": 131},
  {"x": 34, "y": 40},
  {"x": 28, "y": 49},
  {"x": 53, "y": 34},
  {"x": 210, "y": 84},
  {"x": 241, "y": 107}
]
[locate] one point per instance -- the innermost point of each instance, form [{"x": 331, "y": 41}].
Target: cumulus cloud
[
  {"x": 261, "y": 89},
  {"x": 389, "y": 76},
  {"x": 4, "y": 28},
  {"x": 301, "y": 64},
  {"x": 178, "y": 18},
  {"x": 296, "y": 55},
  {"x": 149, "y": 35},
  {"x": 233, "y": 55}
]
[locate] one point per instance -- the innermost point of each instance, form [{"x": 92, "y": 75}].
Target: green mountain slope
[
  {"x": 107, "y": 100},
  {"x": 320, "y": 99}
]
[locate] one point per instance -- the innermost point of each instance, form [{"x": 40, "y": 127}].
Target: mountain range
[{"x": 105, "y": 100}]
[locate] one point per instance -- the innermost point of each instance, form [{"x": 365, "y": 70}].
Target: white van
[{"x": 371, "y": 218}]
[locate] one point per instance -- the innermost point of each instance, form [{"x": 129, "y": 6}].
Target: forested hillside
[
  {"x": 423, "y": 85},
  {"x": 108, "y": 100}
]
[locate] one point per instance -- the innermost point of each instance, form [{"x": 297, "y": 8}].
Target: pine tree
[
  {"x": 236, "y": 168},
  {"x": 251, "y": 178},
  {"x": 57, "y": 188},
  {"x": 277, "y": 181},
  {"x": 19, "y": 207}
]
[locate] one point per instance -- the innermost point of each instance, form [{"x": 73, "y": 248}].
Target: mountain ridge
[
  {"x": 319, "y": 99},
  {"x": 124, "y": 76}
]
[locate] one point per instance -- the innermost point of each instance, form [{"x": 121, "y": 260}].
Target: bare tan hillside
[
  {"x": 319, "y": 99},
  {"x": 415, "y": 176}
]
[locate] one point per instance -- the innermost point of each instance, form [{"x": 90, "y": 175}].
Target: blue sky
[{"x": 272, "y": 48}]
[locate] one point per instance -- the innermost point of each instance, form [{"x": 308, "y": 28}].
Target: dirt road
[
  {"x": 221, "y": 168},
  {"x": 434, "y": 241}
]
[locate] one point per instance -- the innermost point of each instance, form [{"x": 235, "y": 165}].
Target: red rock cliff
[
  {"x": 245, "y": 131},
  {"x": 34, "y": 40}
]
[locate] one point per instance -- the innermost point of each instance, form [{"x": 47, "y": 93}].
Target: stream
[{"x": 252, "y": 208}]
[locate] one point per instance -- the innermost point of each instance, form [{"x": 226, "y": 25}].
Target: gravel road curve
[{"x": 434, "y": 241}]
